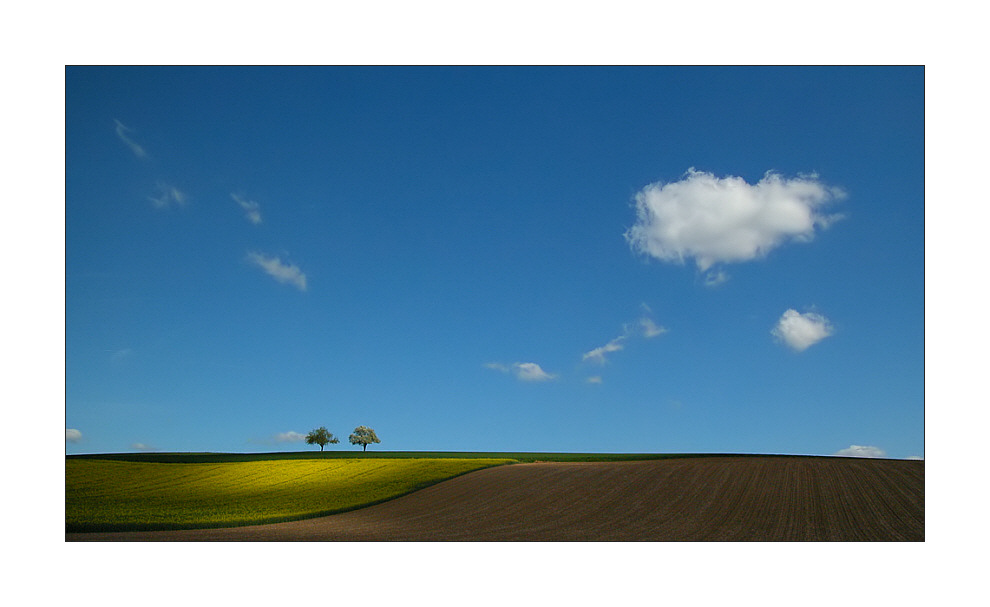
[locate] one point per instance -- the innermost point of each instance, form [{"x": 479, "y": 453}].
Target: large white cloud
[
  {"x": 72, "y": 435},
  {"x": 861, "y": 451},
  {"x": 801, "y": 331},
  {"x": 282, "y": 272},
  {"x": 726, "y": 220}
]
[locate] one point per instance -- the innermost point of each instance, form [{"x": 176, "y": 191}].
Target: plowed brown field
[{"x": 764, "y": 498}]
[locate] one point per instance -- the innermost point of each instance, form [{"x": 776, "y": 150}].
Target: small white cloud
[
  {"x": 252, "y": 209},
  {"x": 122, "y": 133},
  {"x": 289, "y": 437},
  {"x": 594, "y": 379},
  {"x": 282, "y": 272},
  {"x": 916, "y": 457},
  {"x": 598, "y": 354},
  {"x": 650, "y": 328},
  {"x": 523, "y": 371},
  {"x": 861, "y": 451},
  {"x": 644, "y": 327},
  {"x": 143, "y": 447},
  {"x": 715, "y": 277},
  {"x": 801, "y": 331},
  {"x": 72, "y": 435},
  {"x": 726, "y": 220},
  {"x": 531, "y": 372},
  {"x": 167, "y": 194}
]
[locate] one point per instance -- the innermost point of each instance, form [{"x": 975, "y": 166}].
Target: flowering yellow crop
[{"x": 104, "y": 494}]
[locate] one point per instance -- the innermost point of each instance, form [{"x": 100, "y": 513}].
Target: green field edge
[
  {"x": 114, "y": 527},
  {"x": 521, "y": 457}
]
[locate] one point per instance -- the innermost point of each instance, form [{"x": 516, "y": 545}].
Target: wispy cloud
[
  {"x": 594, "y": 379},
  {"x": 726, "y": 220},
  {"x": 532, "y": 372},
  {"x": 121, "y": 355},
  {"x": 645, "y": 327},
  {"x": 167, "y": 195},
  {"x": 143, "y": 447},
  {"x": 72, "y": 435},
  {"x": 801, "y": 331},
  {"x": 715, "y": 277},
  {"x": 598, "y": 354},
  {"x": 650, "y": 328},
  {"x": 282, "y": 272},
  {"x": 523, "y": 371},
  {"x": 861, "y": 451},
  {"x": 289, "y": 437},
  {"x": 252, "y": 210},
  {"x": 122, "y": 132}
]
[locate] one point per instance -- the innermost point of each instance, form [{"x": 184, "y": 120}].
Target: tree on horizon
[
  {"x": 321, "y": 436},
  {"x": 363, "y": 435}
]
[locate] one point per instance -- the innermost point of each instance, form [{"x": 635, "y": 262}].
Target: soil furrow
[{"x": 757, "y": 498}]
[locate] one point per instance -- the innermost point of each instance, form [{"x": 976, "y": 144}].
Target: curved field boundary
[
  {"x": 701, "y": 499},
  {"x": 132, "y": 495}
]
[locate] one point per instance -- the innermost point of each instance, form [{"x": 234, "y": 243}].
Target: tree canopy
[
  {"x": 321, "y": 436},
  {"x": 364, "y": 436}
]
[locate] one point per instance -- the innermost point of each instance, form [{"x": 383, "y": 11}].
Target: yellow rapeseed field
[{"x": 105, "y": 494}]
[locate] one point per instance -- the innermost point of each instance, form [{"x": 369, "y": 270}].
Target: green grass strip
[{"x": 528, "y": 456}]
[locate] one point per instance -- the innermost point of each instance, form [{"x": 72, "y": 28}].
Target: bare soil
[{"x": 766, "y": 498}]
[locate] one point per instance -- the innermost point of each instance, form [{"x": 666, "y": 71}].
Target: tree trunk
[
  {"x": 365, "y": 446},
  {"x": 321, "y": 447}
]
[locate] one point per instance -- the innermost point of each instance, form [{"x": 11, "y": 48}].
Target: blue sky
[{"x": 496, "y": 259}]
